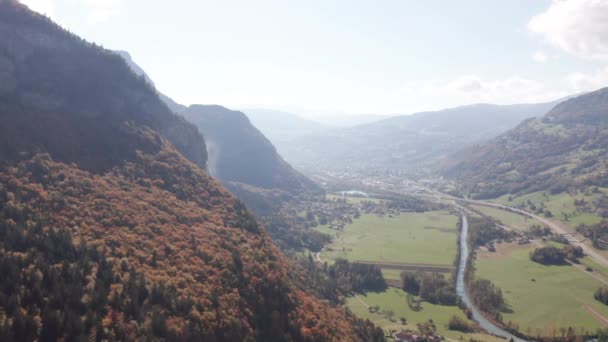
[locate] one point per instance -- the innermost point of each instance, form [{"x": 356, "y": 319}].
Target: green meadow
[
  {"x": 426, "y": 238},
  {"x": 395, "y": 301},
  {"x": 561, "y": 205},
  {"x": 519, "y": 222},
  {"x": 543, "y": 299}
]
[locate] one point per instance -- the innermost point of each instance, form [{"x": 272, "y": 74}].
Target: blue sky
[{"x": 352, "y": 57}]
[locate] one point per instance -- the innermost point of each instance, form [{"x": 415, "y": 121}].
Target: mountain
[
  {"x": 342, "y": 120},
  {"x": 109, "y": 227},
  {"x": 36, "y": 76},
  {"x": 281, "y": 127},
  {"x": 243, "y": 159},
  {"x": 249, "y": 166},
  {"x": 566, "y": 148},
  {"x": 240, "y": 156},
  {"x": 409, "y": 142}
]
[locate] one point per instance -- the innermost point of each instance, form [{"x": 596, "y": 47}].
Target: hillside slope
[
  {"x": 243, "y": 159},
  {"x": 567, "y": 148},
  {"x": 35, "y": 73},
  {"x": 409, "y": 142},
  {"x": 107, "y": 232},
  {"x": 239, "y": 152}
]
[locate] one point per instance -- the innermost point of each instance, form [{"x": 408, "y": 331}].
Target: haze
[{"x": 352, "y": 57}]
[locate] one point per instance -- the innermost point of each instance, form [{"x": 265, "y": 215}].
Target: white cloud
[
  {"x": 540, "y": 57},
  {"x": 579, "y": 27}
]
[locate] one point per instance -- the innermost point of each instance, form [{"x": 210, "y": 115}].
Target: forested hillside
[
  {"x": 109, "y": 227},
  {"x": 565, "y": 149},
  {"x": 240, "y": 153},
  {"x": 244, "y": 160},
  {"x": 249, "y": 166}
]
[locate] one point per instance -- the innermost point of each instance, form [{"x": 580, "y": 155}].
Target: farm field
[
  {"x": 417, "y": 238},
  {"x": 395, "y": 300},
  {"x": 559, "y": 205},
  {"x": 391, "y": 274},
  {"x": 513, "y": 220},
  {"x": 597, "y": 267},
  {"x": 543, "y": 298}
]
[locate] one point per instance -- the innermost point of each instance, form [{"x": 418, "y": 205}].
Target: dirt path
[
  {"x": 361, "y": 301},
  {"x": 593, "y": 274},
  {"x": 596, "y": 314},
  {"x": 318, "y": 256},
  {"x": 406, "y": 266}
]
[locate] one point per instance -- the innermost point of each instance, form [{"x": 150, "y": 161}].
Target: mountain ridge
[
  {"x": 560, "y": 150},
  {"x": 245, "y": 160},
  {"x": 410, "y": 143}
]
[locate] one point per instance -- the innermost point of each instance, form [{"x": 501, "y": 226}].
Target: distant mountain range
[
  {"x": 281, "y": 127},
  {"x": 566, "y": 148},
  {"x": 408, "y": 142}
]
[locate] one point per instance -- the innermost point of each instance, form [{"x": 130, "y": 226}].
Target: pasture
[
  {"x": 513, "y": 220},
  {"x": 393, "y": 305},
  {"x": 561, "y": 205},
  {"x": 412, "y": 238},
  {"x": 543, "y": 299}
]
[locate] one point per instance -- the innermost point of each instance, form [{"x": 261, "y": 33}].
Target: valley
[
  {"x": 388, "y": 176},
  {"x": 403, "y": 242}
]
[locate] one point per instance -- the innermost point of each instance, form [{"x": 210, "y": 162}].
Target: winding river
[{"x": 461, "y": 290}]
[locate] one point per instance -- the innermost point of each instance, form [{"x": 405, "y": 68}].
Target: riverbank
[{"x": 461, "y": 290}]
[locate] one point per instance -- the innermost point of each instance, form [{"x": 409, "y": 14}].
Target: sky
[{"x": 352, "y": 57}]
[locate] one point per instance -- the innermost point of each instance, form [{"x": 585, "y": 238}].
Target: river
[{"x": 462, "y": 293}]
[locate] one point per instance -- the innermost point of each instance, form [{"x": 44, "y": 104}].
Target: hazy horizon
[{"x": 343, "y": 59}]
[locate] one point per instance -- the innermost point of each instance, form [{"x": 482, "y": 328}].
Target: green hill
[{"x": 567, "y": 149}]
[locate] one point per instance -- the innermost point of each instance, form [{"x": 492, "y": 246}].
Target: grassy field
[
  {"x": 516, "y": 221},
  {"x": 587, "y": 261},
  {"x": 543, "y": 298},
  {"x": 428, "y": 238},
  {"x": 325, "y": 229},
  {"x": 391, "y": 274},
  {"x": 559, "y": 205},
  {"x": 395, "y": 300}
]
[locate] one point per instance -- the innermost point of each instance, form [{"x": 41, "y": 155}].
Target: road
[
  {"x": 554, "y": 226},
  {"x": 557, "y": 228}
]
